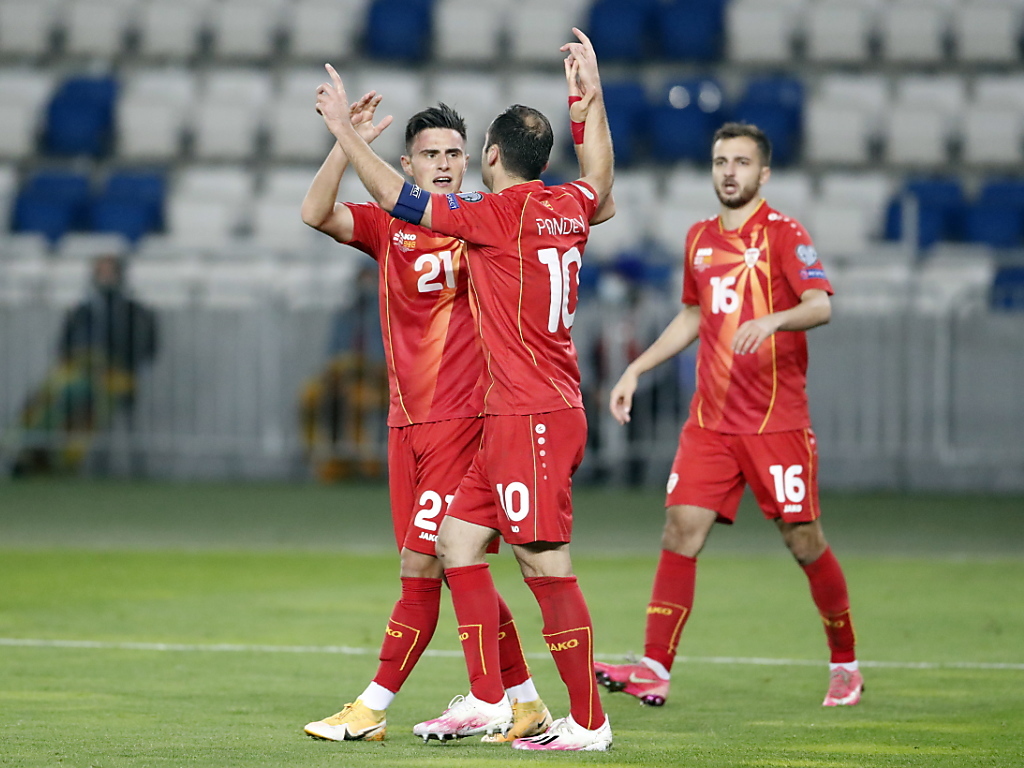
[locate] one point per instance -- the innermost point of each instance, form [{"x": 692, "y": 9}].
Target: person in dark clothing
[{"x": 104, "y": 342}]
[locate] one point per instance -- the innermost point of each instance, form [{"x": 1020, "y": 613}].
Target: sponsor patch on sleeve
[
  {"x": 813, "y": 274},
  {"x": 453, "y": 202},
  {"x": 807, "y": 254},
  {"x": 470, "y": 197}
]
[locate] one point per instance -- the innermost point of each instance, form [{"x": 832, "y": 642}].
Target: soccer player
[
  {"x": 525, "y": 247},
  {"x": 435, "y": 368},
  {"x": 752, "y": 286}
]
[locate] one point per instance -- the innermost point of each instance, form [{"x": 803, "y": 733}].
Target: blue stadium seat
[
  {"x": 52, "y": 203},
  {"x": 691, "y": 30},
  {"x": 80, "y": 117},
  {"x": 775, "y": 121},
  {"x": 626, "y": 103},
  {"x": 941, "y": 209},
  {"x": 621, "y": 29},
  {"x": 1000, "y": 225},
  {"x": 131, "y": 204},
  {"x": 1008, "y": 289},
  {"x": 399, "y": 30},
  {"x": 683, "y": 123}
]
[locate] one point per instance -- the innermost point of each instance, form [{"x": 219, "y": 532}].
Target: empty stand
[
  {"x": 987, "y": 32},
  {"x": 539, "y": 27},
  {"x": 838, "y": 32},
  {"x": 324, "y": 30},
  {"x": 468, "y": 30},
  {"x": 761, "y": 31}
]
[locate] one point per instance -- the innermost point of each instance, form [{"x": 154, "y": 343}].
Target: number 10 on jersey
[{"x": 558, "y": 272}]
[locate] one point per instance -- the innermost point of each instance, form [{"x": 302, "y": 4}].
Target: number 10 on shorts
[{"x": 515, "y": 502}]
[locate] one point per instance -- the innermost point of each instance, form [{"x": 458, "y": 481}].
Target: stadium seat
[
  {"x": 994, "y": 90},
  {"x": 760, "y": 31},
  {"x": 987, "y": 33},
  {"x": 169, "y": 29},
  {"x": 404, "y": 92},
  {"x": 477, "y": 96},
  {"x": 52, "y": 203},
  {"x": 152, "y": 112},
  {"x": 243, "y": 29},
  {"x": 398, "y": 30},
  {"x": 836, "y": 133},
  {"x": 278, "y": 225},
  {"x": 626, "y": 103},
  {"x": 940, "y": 205},
  {"x": 27, "y": 27},
  {"x": 838, "y": 229},
  {"x": 838, "y": 32},
  {"x": 991, "y": 136},
  {"x": 683, "y": 122},
  {"x": 539, "y": 27},
  {"x": 789, "y": 192},
  {"x": 225, "y": 131},
  {"x": 996, "y": 217},
  {"x": 916, "y": 136},
  {"x": 164, "y": 283},
  {"x": 468, "y": 30},
  {"x": 131, "y": 204},
  {"x": 86, "y": 246},
  {"x": 325, "y": 30},
  {"x": 913, "y": 31},
  {"x": 287, "y": 184},
  {"x": 80, "y": 116},
  {"x": 19, "y": 126},
  {"x": 96, "y": 27},
  {"x": 66, "y": 282},
  {"x": 296, "y": 132},
  {"x": 1008, "y": 289},
  {"x": 867, "y": 192},
  {"x": 621, "y": 29},
  {"x": 690, "y": 30},
  {"x": 959, "y": 277}
]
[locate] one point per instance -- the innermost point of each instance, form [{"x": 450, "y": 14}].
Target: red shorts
[
  {"x": 520, "y": 483},
  {"x": 426, "y": 463},
  {"x": 711, "y": 469}
]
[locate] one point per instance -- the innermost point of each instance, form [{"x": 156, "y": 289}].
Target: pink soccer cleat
[
  {"x": 636, "y": 679},
  {"x": 467, "y": 716},
  {"x": 566, "y": 735},
  {"x": 844, "y": 688}
]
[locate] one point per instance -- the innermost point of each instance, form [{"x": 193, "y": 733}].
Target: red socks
[
  {"x": 412, "y": 624},
  {"x": 510, "y": 650},
  {"x": 570, "y": 638},
  {"x": 828, "y": 590},
  {"x": 476, "y": 609},
  {"x": 670, "y": 606}
]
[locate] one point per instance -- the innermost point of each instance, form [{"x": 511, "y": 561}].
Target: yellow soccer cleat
[
  {"x": 356, "y": 722},
  {"x": 529, "y": 718}
]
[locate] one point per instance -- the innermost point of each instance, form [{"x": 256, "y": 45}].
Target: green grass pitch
[{"x": 147, "y": 624}]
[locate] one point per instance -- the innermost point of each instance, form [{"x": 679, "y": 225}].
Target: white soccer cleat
[
  {"x": 467, "y": 716},
  {"x": 844, "y": 688},
  {"x": 565, "y": 734}
]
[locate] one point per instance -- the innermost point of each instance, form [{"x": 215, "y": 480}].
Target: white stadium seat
[
  {"x": 225, "y": 131},
  {"x": 837, "y": 32},
  {"x": 916, "y": 136},
  {"x": 288, "y": 183},
  {"x": 838, "y": 229},
  {"x": 297, "y": 132},
  {"x": 278, "y": 224},
  {"x": 761, "y": 31},
  {"x": 538, "y": 27},
  {"x": 19, "y": 127},
  {"x": 26, "y": 26},
  {"x": 232, "y": 184},
  {"x": 870, "y": 93},
  {"x": 987, "y": 32},
  {"x": 243, "y": 29},
  {"x": 477, "y": 97},
  {"x": 991, "y": 136},
  {"x": 837, "y": 132},
  {"x": 325, "y": 30},
  {"x": 169, "y": 29},
  {"x": 468, "y": 30},
  {"x": 404, "y": 92},
  {"x": 163, "y": 283},
  {"x": 206, "y": 224},
  {"x": 97, "y": 27},
  {"x": 149, "y": 130},
  {"x": 999, "y": 91},
  {"x": 868, "y": 192},
  {"x": 789, "y": 192},
  {"x": 913, "y": 31}
]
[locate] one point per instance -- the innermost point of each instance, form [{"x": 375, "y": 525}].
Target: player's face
[
  {"x": 737, "y": 171},
  {"x": 437, "y": 160}
]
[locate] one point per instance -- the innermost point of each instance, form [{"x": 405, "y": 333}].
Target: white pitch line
[{"x": 345, "y": 650}]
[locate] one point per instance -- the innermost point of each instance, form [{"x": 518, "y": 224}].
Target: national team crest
[{"x": 751, "y": 256}]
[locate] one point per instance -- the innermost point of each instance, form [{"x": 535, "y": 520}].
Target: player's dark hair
[
  {"x": 524, "y": 137},
  {"x": 737, "y": 130},
  {"x": 441, "y": 116}
]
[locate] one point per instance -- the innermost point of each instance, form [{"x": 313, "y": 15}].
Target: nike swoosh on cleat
[{"x": 640, "y": 680}]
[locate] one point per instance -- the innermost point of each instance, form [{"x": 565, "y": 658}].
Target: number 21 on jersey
[{"x": 429, "y": 266}]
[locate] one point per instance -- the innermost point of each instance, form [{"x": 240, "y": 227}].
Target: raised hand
[
  {"x": 577, "y": 109},
  {"x": 583, "y": 53},
  {"x": 332, "y": 102},
  {"x": 361, "y": 114}
]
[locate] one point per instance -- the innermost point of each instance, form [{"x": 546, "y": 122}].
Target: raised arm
[
  {"x": 676, "y": 337},
  {"x": 320, "y": 208},
  {"x": 385, "y": 184},
  {"x": 597, "y": 158},
  {"x": 579, "y": 104}
]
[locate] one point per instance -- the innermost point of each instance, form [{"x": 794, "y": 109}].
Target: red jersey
[
  {"x": 762, "y": 267},
  {"x": 435, "y": 362},
  {"x": 525, "y": 249}
]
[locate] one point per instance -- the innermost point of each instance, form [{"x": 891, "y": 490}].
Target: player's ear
[
  {"x": 491, "y": 154},
  {"x": 407, "y": 165},
  {"x": 766, "y": 174}
]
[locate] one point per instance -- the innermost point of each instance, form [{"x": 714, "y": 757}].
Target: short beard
[{"x": 744, "y": 197}]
